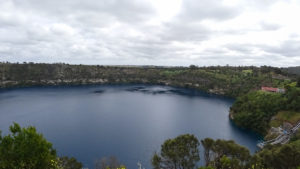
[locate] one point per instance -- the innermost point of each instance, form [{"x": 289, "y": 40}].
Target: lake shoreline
[{"x": 176, "y": 111}]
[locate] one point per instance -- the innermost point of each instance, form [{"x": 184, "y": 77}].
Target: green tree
[
  {"x": 207, "y": 144},
  {"x": 180, "y": 152},
  {"x": 24, "y": 148},
  {"x": 229, "y": 163},
  {"x": 108, "y": 163},
  {"x": 281, "y": 156},
  {"x": 228, "y": 154},
  {"x": 69, "y": 163}
]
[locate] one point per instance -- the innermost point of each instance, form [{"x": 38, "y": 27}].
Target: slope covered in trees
[
  {"x": 255, "y": 109},
  {"x": 229, "y": 81}
]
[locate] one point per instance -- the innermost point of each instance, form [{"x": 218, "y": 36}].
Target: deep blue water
[{"x": 127, "y": 121}]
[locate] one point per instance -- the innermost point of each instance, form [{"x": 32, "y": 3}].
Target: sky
[{"x": 151, "y": 32}]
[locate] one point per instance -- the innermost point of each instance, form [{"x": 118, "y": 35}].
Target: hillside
[
  {"x": 229, "y": 81},
  {"x": 256, "y": 109}
]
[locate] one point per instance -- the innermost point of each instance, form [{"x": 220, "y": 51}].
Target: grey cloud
[
  {"x": 185, "y": 31},
  {"x": 195, "y": 10},
  {"x": 269, "y": 26},
  {"x": 289, "y": 48},
  {"x": 121, "y": 10},
  {"x": 241, "y": 48},
  {"x": 118, "y": 32}
]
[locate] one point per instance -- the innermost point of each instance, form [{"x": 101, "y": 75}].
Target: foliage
[
  {"x": 277, "y": 157},
  {"x": 285, "y": 116},
  {"x": 25, "y": 148},
  {"x": 255, "y": 109},
  {"x": 230, "y": 81},
  {"x": 180, "y": 152},
  {"x": 295, "y": 136},
  {"x": 207, "y": 144},
  {"x": 229, "y": 155},
  {"x": 69, "y": 163},
  {"x": 108, "y": 163},
  {"x": 293, "y": 98}
]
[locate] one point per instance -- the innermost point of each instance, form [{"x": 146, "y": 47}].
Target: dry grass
[{"x": 285, "y": 116}]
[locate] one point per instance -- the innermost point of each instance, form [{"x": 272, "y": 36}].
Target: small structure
[{"x": 271, "y": 89}]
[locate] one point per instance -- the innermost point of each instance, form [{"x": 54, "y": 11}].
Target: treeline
[
  {"x": 226, "y": 80},
  {"x": 182, "y": 152},
  {"x": 24, "y": 148},
  {"x": 292, "y": 70},
  {"x": 255, "y": 109}
]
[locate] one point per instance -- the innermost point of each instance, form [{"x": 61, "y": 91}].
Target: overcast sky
[{"x": 151, "y": 32}]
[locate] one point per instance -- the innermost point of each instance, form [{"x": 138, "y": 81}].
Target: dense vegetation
[
  {"x": 230, "y": 81},
  {"x": 24, "y": 148},
  {"x": 182, "y": 153},
  {"x": 255, "y": 109},
  {"x": 292, "y": 70}
]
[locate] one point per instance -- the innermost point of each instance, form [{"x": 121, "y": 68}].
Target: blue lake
[{"x": 127, "y": 121}]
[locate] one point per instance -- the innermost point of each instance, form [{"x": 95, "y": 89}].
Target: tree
[
  {"x": 281, "y": 156},
  {"x": 69, "y": 163},
  {"x": 178, "y": 153},
  {"x": 25, "y": 148},
  {"x": 193, "y": 67},
  {"x": 207, "y": 145},
  {"x": 222, "y": 154},
  {"x": 112, "y": 163}
]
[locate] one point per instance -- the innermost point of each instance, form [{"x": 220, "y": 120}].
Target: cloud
[
  {"x": 172, "y": 32},
  {"x": 289, "y": 48},
  {"x": 269, "y": 26},
  {"x": 194, "y": 10}
]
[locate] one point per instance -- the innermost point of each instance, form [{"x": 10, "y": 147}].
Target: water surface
[{"x": 127, "y": 121}]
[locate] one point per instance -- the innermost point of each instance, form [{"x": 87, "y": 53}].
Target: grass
[
  {"x": 172, "y": 73},
  {"x": 285, "y": 116},
  {"x": 246, "y": 72}
]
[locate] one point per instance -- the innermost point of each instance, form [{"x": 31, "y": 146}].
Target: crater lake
[{"x": 129, "y": 122}]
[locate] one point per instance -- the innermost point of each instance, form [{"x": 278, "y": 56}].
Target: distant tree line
[{"x": 225, "y": 80}]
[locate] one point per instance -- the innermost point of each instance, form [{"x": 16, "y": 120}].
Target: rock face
[
  {"x": 276, "y": 130},
  {"x": 231, "y": 116},
  {"x": 217, "y": 91}
]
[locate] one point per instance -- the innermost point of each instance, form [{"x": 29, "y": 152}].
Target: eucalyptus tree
[{"x": 179, "y": 153}]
